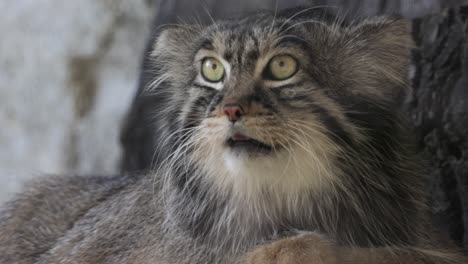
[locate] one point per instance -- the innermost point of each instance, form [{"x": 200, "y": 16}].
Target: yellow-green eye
[
  {"x": 282, "y": 67},
  {"x": 212, "y": 70}
]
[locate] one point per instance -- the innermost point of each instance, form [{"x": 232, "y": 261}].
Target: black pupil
[
  {"x": 281, "y": 63},
  {"x": 214, "y": 66}
]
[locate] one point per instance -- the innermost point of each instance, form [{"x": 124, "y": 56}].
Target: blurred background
[
  {"x": 72, "y": 75},
  {"x": 68, "y": 73}
]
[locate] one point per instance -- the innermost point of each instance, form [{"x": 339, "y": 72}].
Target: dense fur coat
[{"x": 280, "y": 142}]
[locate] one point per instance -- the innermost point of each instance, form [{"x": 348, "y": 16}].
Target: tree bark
[{"x": 438, "y": 109}]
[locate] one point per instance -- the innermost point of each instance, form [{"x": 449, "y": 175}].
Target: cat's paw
[{"x": 303, "y": 249}]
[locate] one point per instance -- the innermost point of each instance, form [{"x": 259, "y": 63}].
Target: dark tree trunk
[{"x": 437, "y": 107}]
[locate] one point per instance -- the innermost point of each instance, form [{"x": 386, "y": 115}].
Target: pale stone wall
[{"x": 68, "y": 73}]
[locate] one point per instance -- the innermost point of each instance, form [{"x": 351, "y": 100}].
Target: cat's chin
[{"x": 250, "y": 163}]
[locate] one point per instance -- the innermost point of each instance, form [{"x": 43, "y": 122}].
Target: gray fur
[{"x": 349, "y": 171}]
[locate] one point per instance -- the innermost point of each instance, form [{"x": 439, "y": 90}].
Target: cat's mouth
[{"x": 242, "y": 143}]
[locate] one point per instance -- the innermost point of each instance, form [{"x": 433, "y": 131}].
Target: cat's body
[
  {"x": 96, "y": 220},
  {"x": 274, "y": 127},
  {"x": 122, "y": 220}
]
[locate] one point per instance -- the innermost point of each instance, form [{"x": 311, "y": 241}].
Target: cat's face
[{"x": 273, "y": 103}]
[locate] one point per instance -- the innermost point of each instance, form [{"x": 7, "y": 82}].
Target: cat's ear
[
  {"x": 389, "y": 38},
  {"x": 384, "y": 45},
  {"x": 172, "y": 54},
  {"x": 172, "y": 42}
]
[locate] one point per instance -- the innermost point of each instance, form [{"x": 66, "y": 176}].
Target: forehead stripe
[{"x": 292, "y": 40}]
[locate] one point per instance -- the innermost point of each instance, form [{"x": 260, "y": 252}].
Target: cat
[{"x": 282, "y": 142}]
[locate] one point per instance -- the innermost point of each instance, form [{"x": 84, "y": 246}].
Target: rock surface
[{"x": 68, "y": 73}]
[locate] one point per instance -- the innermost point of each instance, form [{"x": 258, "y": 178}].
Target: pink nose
[{"x": 233, "y": 111}]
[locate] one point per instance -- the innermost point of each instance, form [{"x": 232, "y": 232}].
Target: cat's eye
[
  {"x": 212, "y": 70},
  {"x": 281, "y": 67}
]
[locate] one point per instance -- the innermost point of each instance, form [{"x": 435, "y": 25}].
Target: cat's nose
[{"x": 233, "y": 111}]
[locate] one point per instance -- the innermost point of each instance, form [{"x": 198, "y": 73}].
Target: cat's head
[{"x": 281, "y": 103}]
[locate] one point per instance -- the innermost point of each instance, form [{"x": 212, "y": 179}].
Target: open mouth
[{"x": 240, "y": 142}]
